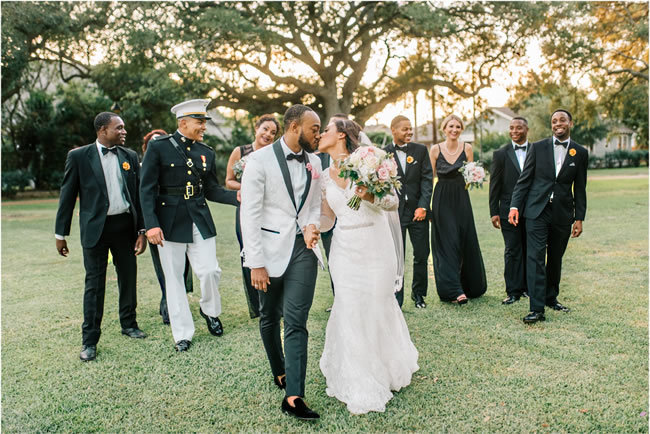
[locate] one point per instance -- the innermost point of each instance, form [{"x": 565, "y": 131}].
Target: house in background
[{"x": 619, "y": 137}]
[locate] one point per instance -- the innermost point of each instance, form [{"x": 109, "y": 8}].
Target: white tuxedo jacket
[{"x": 268, "y": 214}]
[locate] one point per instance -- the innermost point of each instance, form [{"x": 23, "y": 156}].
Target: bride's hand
[{"x": 362, "y": 192}]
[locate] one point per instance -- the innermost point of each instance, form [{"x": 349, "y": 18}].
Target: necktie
[
  {"x": 400, "y": 148},
  {"x": 106, "y": 150},
  {"x": 298, "y": 157},
  {"x": 520, "y": 148},
  {"x": 558, "y": 143}
]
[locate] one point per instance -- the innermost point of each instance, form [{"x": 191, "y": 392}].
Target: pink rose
[
  {"x": 383, "y": 173},
  {"x": 315, "y": 174},
  {"x": 309, "y": 166}
]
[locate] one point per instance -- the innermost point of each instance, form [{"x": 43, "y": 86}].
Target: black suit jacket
[
  {"x": 163, "y": 166},
  {"x": 538, "y": 181},
  {"x": 84, "y": 177},
  {"x": 504, "y": 174},
  {"x": 417, "y": 182}
]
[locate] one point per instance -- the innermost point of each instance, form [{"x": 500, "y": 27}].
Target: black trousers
[
  {"x": 291, "y": 294},
  {"x": 514, "y": 257},
  {"x": 252, "y": 296},
  {"x": 546, "y": 243},
  {"x": 119, "y": 237},
  {"x": 326, "y": 238},
  {"x": 419, "y": 235}
]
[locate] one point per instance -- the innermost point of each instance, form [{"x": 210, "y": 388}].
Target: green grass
[
  {"x": 481, "y": 369},
  {"x": 625, "y": 171}
]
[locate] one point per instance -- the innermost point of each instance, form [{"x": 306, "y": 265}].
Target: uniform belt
[{"x": 186, "y": 191}]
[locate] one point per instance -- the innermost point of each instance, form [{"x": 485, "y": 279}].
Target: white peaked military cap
[{"x": 195, "y": 108}]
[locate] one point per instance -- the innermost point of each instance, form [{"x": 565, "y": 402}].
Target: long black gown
[{"x": 457, "y": 261}]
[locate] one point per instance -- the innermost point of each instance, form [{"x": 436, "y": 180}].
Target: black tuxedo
[
  {"x": 84, "y": 177},
  {"x": 417, "y": 187},
  {"x": 504, "y": 174},
  {"x": 548, "y": 223}
]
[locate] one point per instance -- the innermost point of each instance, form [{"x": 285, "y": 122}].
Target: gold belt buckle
[{"x": 189, "y": 191}]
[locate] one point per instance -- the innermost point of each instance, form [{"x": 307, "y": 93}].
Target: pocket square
[{"x": 572, "y": 164}]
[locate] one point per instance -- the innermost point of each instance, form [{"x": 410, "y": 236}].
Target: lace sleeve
[
  {"x": 327, "y": 216},
  {"x": 389, "y": 202}
]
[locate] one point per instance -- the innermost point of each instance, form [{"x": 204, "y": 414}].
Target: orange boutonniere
[
  {"x": 572, "y": 152},
  {"x": 409, "y": 159},
  {"x": 126, "y": 165}
]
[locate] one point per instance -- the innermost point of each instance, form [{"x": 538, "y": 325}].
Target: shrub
[
  {"x": 595, "y": 162},
  {"x": 14, "y": 181}
]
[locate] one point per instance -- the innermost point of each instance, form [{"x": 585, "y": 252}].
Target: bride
[{"x": 368, "y": 351}]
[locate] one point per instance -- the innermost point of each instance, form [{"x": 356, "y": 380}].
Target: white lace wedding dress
[{"x": 368, "y": 350}]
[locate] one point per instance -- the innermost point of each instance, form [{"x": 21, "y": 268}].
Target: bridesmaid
[
  {"x": 266, "y": 130},
  {"x": 457, "y": 261}
]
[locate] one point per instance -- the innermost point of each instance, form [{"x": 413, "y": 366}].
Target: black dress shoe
[
  {"x": 510, "y": 299},
  {"x": 214, "y": 324},
  {"x": 533, "y": 317},
  {"x": 134, "y": 333},
  {"x": 559, "y": 307},
  {"x": 163, "y": 311},
  {"x": 183, "y": 345},
  {"x": 419, "y": 302},
  {"x": 88, "y": 353},
  {"x": 281, "y": 383},
  {"x": 300, "y": 411}
]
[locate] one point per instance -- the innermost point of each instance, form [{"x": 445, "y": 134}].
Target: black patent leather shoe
[
  {"x": 510, "y": 299},
  {"x": 534, "y": 317},
  {"x": 135, "y": 333},
  {"x": 183, "y": 345},
  {"x": 419, "y": 302},
  {"x": 164, "y": 313},
  {"x": 214, "y": 324},
  {"x": 559, "y": 307},
  {"x": 281, "y": 383},
  {"x": 88, "y": 353},
  {"x": 300, "y": 411}
]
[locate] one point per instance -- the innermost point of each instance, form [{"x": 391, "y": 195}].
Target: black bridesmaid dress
[{"x": 457, "y": 261}]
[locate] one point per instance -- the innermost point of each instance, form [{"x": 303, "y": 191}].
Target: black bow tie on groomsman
[
  {"x": 559, "y": 143},
  {"x": 298, "y": 157},
  {"x": 401, "y": 148},
  {"x": 106, "y": 150},
  {"x": 520, "y": 148}
]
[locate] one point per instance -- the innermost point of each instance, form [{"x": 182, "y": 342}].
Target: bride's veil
[{"x": 396, "y": 231}]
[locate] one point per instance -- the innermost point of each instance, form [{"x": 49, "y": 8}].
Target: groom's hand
[
  {"x": 260, "y": 279},
  {"x": 513, "y": 217},
  {"x": 311, "y": 236}
]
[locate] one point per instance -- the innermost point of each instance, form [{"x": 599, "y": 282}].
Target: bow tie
[
  {"x": 401, "y": 148},
  {"x": 520, "y": 148},
  {"x": 298, "y": 157},
  {"x": 558, "y": 143},
  {"x": 106, "y": 150}
]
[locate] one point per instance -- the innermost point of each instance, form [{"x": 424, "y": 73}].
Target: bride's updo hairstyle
[
  {"x": 351, "y": 130},
  {"x": 446, "y": 120}
]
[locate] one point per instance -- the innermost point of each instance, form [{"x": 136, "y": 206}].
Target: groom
[{"x": 280, "y": 217}]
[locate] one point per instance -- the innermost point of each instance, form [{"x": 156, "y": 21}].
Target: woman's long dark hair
[{"x": 351, "y": 130}]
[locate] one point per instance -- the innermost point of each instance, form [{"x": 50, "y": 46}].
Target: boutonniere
[
  {"x": 572, "y": 152},
  {"x": 126, "y": 165},
  {"x": 314, "y": 173},
  {"x": 409, "y": 160}
]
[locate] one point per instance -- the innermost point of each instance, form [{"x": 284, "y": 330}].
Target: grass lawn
[{"x": 481, "y": 368}]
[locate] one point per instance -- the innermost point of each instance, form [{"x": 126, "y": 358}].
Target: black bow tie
[
  {"x": 298, "y": 157},
  {"x": 401, "y": 148},
  {"x": 106, "y": 150},
  {"x": 558, "y": 143},
  {"x": 520, "y": 148}
]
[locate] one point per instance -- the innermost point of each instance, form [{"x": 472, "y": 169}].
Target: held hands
[
  {"x": 513, "y": 217},
  {"x": 260, "y": 279},
  {"x": 420, "y": 214},
  {"x": 496, "y": 221},
  {"x": 577, "y": 229},
  {"x": 155, "y": 236},
  {"x": 62, "y": 247},
  {"x": 311, "y": 236},
  {"x": 140, "y": 245},
  {"x": 362, "y": 192}
]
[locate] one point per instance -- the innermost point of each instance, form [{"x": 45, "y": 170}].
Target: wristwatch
[{"x": 142, "y": 231}]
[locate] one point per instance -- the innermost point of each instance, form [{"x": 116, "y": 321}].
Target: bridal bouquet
[
  {"x": 372, "y": 168},
  {"x": 239, "y": 167},
  {"x": 473, "y": 173}
]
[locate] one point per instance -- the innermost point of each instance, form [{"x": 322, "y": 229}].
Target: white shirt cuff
[
  {"x": 59, "y": 237},
  {"x": 512, "y": 207}
]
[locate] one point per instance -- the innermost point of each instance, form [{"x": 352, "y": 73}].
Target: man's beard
[{"x": 304, "y": 143}]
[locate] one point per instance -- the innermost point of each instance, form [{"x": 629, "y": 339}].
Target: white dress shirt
[
  {"x": 297, "y": 172},
  {"x": 401, "y": 157},
  {"x": 559, "y": 153},
  {"x": 520, "y": 153}
]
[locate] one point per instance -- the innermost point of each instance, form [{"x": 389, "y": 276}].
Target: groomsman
[
  {"x": 552, "y": 186},
  {"x": 178, "y": 175},
  {"x": 104, "y": 175},
  {"x": 507, "y": 163},
  {"x": 416, "y": 175}
]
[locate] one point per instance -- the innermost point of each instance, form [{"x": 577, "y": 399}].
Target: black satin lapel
[
  {"x": 391, "y": 149},
  {"x": 282, "y": 161},
  {"x": 96, "y": 165},
  {"x": 513, "y": 156},
  {"x": 122, "y": 158},
  {"x": 307, "y": 185}
]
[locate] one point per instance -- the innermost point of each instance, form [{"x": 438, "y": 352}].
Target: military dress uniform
[{"x": 174, "y": 188}]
